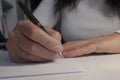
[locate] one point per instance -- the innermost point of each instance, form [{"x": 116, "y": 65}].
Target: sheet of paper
[{"x": 8, "y": 69}]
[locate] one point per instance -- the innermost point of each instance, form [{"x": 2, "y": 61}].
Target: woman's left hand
[{"x": 100, "y": 44}]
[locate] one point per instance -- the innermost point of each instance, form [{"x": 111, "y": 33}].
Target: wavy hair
[
  {"x": 114, "y": 5},
  {"x": 62, "y": 4}
]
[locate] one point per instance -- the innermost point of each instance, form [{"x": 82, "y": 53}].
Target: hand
[
  {"x": 28, "y": 43},
  {"x": 101, "y": 44}
]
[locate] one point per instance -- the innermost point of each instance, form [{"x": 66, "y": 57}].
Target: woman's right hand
[{"x": 29, "y": 43}]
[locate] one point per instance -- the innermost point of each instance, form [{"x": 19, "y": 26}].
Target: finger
[
  {"x": 74, "y": 44},
  {"x": 82, "y": 50},
  {"x": 38, "y": 35},
  {"x": 54, "y": 33},
  {"x": 29, "y": 57},
  {"x": 33, "y": 48},
  {"x": 11, "y": 49},
  {"x": 19, "y": 55}
]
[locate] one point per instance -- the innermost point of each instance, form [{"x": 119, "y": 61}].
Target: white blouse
[{"x": 90, "y": 18}]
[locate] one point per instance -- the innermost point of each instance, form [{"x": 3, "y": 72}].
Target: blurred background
[{"x": 10, "y": 14}]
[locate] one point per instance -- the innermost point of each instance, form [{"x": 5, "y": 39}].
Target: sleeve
[
  {"x": 118, "y": 31},
  {"x": 45, "y": 13}
]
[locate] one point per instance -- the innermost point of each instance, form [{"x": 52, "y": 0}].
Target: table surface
[{"x": 97, "y": 67}]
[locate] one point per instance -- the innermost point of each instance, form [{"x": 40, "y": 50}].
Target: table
[{"x": 97, "y": 67}]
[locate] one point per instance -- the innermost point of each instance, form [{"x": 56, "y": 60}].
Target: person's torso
[{"x": 90, "y": 18}]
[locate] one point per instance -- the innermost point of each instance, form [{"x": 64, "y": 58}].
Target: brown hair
[{"x": 61, "y": 4}]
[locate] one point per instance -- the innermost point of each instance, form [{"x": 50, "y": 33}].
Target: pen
[{"x": 34, "y": 20}]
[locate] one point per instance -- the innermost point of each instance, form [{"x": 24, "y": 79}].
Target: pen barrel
[
  {"x": 39, "y": 25},
  {"x": 30, "y": 16}
]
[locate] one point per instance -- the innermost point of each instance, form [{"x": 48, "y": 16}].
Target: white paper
[{"x": 8, "y": 69}]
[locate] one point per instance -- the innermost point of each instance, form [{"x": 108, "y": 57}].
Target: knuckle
[
  {"x": 31, "y": 32},
  {"x": 20, "y": 24},
  {"x": 56, "y": 34},
  {"x": 23, "y": 22},
  {"x": 25, "y": 27}
]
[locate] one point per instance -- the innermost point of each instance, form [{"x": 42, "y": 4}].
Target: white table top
[{"x": 98, "y": 67}]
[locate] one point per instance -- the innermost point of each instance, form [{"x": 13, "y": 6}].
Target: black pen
[{"x": 34, "y": 20}]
